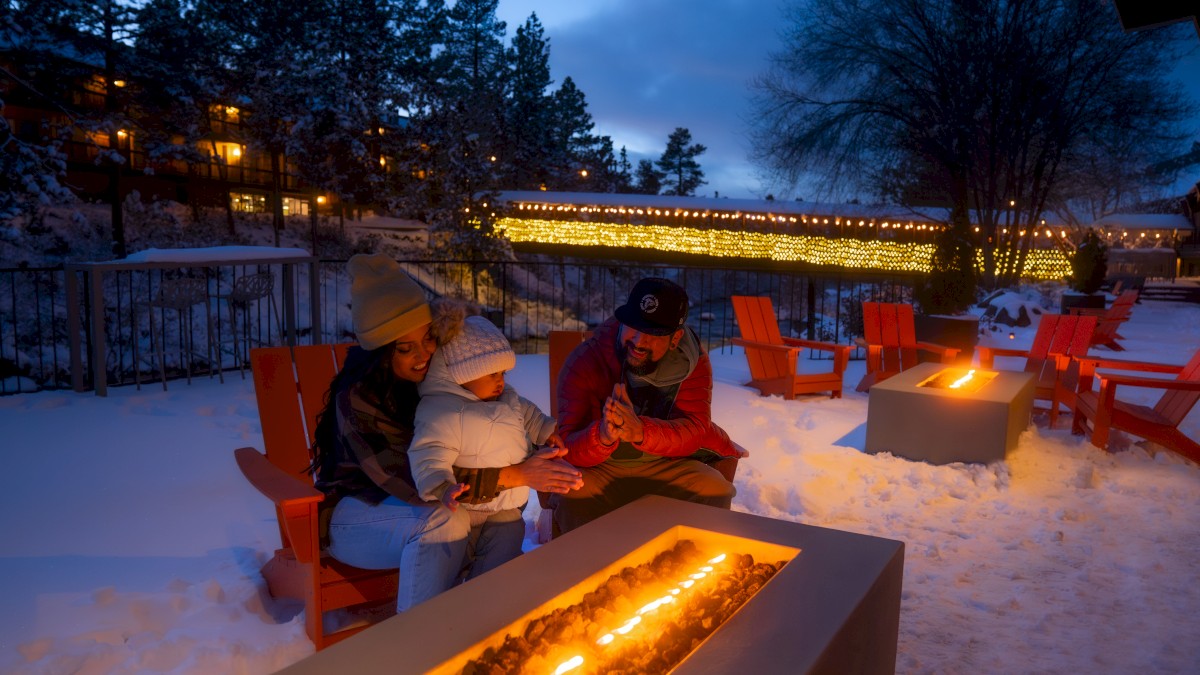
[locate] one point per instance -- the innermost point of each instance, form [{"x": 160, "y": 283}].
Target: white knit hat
[
  {"x": 479, "y": 349},
  {"x": 385, "y": 303}
]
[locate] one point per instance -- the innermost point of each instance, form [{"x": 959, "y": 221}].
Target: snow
[
  {"x": 210, "y": 254},
  {"x": 132, "y": 543}
]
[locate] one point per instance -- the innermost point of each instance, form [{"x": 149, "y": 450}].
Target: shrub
[{"x": 1089, "y": 265}]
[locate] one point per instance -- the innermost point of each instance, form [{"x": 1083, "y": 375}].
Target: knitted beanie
[
  {"x": 479, "y": 349},
  {"x": 385, "y": 303}
]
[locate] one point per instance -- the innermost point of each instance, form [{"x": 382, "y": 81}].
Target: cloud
[{"x": 649, "y": 66}]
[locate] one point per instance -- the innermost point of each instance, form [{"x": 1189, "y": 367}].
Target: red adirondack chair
[
  {"x": 773, "y": 358},
  {"x": 1058, "y": 338},
  {"x": 891, "y": 342},
  {"x": 1103, "y": 411},
  {"x": 1108, "y": 320},
  {"x": 300, "y": 569}
]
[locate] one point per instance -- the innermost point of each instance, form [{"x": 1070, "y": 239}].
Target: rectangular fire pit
[
  {"x": 920, "y": 415},
  {"x": 833, "y": 608}
]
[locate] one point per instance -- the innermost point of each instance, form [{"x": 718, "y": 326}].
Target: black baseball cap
[{"x": 656, "y": 306}]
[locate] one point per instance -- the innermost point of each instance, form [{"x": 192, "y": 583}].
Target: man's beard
[{"x": 645, "y": 368}]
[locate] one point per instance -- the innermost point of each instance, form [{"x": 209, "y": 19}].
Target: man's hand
[
  {"x": 545, "y": 471},
  {"x": 619, "y": 418}
]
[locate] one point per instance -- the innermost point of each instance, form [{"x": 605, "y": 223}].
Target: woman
[{"x": 375, "y": 518}]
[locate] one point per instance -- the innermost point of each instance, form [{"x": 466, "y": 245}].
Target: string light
[{"x": 889, "y": 256}]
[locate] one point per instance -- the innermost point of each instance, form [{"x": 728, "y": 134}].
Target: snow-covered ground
[{"x": 132, "y": 543}]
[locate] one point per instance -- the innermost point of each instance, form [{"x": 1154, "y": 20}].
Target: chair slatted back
[
  {"x": 290, "y": 385},
  {"x": 1058, "y": 334},
  {"x": 1175, "y": 404},
  {"x": 1112, "y": 318},
  {"x": 890, "y": 325},
  {"x": 756, "y": 321},
  {"x": 562, "y": 343}
]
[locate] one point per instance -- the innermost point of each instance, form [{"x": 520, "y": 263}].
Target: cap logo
[{"x": 649, "y": 304}]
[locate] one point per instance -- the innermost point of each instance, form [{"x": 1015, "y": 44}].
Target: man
[{"x": 635, "y": 410}]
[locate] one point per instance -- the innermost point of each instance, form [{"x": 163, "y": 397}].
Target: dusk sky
[{"x": 649, "y": 66}]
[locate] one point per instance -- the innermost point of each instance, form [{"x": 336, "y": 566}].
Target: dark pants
[{"x": 610, "y": 485}]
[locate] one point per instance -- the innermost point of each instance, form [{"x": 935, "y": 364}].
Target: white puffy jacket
[{"x": 456, "y": 428}]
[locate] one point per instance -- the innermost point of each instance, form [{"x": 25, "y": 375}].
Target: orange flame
[
  {"x": 577, "y": 661},
  {"x": 963, "y": 380}
]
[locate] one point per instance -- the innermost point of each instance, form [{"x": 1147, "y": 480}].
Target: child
[{"x": 469, "y": 419}]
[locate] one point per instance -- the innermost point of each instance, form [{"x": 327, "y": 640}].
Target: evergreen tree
[
  {"x": 529, "y": 111},
  {"x": 573, "y": 147},
  {"x": 461, "y": 129},
  {"x": 623, "y": 175},
  {"x": 649, "y": 179},
  {"x": 32, "y": 160},
  {"x": 681, "y": 171},
  {"x": 270, "y": 54},
  {"x": 342, "y": 140}
]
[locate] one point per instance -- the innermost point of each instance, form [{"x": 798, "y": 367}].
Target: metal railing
[{"x": 527, "y": 299}]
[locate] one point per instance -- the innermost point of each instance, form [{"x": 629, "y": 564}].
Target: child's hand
[
  {"x": 555, "y": 441},
  {"x": 452, "y": 493}
]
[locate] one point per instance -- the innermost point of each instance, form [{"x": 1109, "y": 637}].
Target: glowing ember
[{"x": 624, "y": 634}]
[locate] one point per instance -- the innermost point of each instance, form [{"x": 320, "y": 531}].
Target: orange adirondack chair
[
  {"x": 891, "y": 342},
  {"x": 1108, "y": 320},
  {"x": 773, "y": 358},
  {"x": 299, "y": 568},
  {"x": 1058, "y": 338},
  {"x": 562, "y": 343},
  {"x": 1104, "y": 411}
]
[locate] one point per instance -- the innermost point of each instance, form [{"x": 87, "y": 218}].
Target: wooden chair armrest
[
  {"x": 816, "y": 344},
  {"x": 987, "y": 355},
  {"x": 741, "y": 452},
  {"x": 947, "y": 353},
  {"x": 1089, "y": 364},
  {"x": 274, "y": 483},
  {"x": 1113, "y": 379},
  {"x": 741, "y": 342}
]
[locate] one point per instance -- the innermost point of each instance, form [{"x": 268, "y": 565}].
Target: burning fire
[
  {"x": 962, "y": 380},
  {"x": 606, "y": 639},
  {"x": 644, "y": 618}
]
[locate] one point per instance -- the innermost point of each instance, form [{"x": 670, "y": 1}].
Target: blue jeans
[
  {"x": 427, "y": 543},
  {"x": 495, "y": 539}
]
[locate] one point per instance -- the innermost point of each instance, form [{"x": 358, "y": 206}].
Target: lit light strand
[{"x": 891, "y": 256}]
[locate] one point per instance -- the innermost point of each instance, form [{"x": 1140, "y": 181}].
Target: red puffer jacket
[{"x": 587, "y": 379}]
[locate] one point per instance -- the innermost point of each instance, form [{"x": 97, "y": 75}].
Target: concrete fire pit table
[
  {"x": 833, "y": 608},
  {"x": 916, "y": 415}
]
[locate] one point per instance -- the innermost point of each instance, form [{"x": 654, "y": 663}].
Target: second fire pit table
[{"x": 916, "y": 414}]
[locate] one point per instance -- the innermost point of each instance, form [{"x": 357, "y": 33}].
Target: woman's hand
[{"x": 545, "y": 471}]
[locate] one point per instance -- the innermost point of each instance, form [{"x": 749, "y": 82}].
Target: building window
[
  {"x": 295, "y": 207},
  {"x": 248, "y": 202}
]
